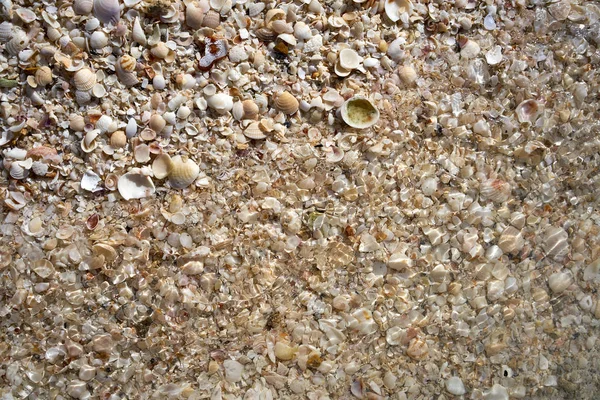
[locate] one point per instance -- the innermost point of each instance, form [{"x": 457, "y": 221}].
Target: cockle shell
[
  {"x": 6, "y": 31},
  {"x": 107, "y": 11},
  {"x": 407, "y": 74},
  {"x": 253, "y": 131},
  {"x": 286, "y": 103},
  {"x": 137, "y": 33},
  {"x": 43, "y": 76},
  {"x": 184, "y": 172},
  {"x": 528, "y": 111},
  {"x": 495, "y": 190},
  {"x": 125, "y": 68},
  {"x": 18, "y": 42},
  {"x": 84, "y": 79},
  {"x": 359, "y": 112},
  {"x": 395, "y": 8},
  {"x": 162, "y": 166},
  {"x": 211, "y": 19},
  {"x": 194, "y": 15},
  {"x": 20, "y": 169},
  {"x": 83, "y": 7},
  {"x": 98, "y": 40},
  {"x": 135, "y": 185}
]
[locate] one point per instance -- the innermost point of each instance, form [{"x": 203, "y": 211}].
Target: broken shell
[
  {"x": 214, "y": 49},
  {"x": 89, "y": 143},
  {"x": 83, "y": 7},
  {"x": 118, "y": 139},
  {"x": 84, "y": 79},
  {"x": 253, "y": 131},
  {"x": 194, "y": 15},
  {"x": 220, "y": 102},
  {"x": 135, "y": 185},
  {"x": 184, "y": 172},
  {"x": 137, "y": 32},
  {"x": 125, "y": 69},
  {"x": 495, "y": 190},
  {"x": 359, "y": 112},
  {"x": 211, "y": 19},
  {"x": 141, "y": 153},
  {"x": 162, "y": 166},
  {"x": 286, "y": 103},
  {"x": 39, "y": 168},
  {"x": 528, "y": 111},
  {"x": 349, "y": 59},
  {"x": 90, "y": 181},
  {"x": 274, "y": 14},
  {"x": 284, "y": 351},
  {"x": 6, "y": 31},
  {"x": 395, "y": 8},
  {"x": 43, "y": 76},
  {"x": 107, "y": 11},
  {"x": 250, "y": 108},
  {"x": 192, "y": 268}
]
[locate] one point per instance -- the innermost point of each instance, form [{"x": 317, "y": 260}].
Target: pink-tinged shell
[
  {"x": 495, "y": 190},
  {"x": 44, "y": 153}
]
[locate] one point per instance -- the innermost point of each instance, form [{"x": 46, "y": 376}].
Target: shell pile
[{"x": 371, "y": 199}]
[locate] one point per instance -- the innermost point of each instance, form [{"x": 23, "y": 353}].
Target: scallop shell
[
  {"x": 359, "y": 112},
  {"x": 84, "y": 79},
  {"x": 135, "y": 185},
  {"x": 107, "y": 11},
  {"x": 253, "y": 131},
  {"x": 125, "y": 68},
  {"x": 137, "y": 33},
  {"x": 528, "y": 111},
  {"x": 287, "y": 103},
  {"x": 194, "y": 15},
  {"x": 83, "y": 7},
  {"x": 184, "y": 172},
  {"x": 118, "y": 139},
  {"x": 162, "y": 166},
  {"x": 211, "y": 19},
  {"x": 395, "y": 8},
  {"x": 349, "y": 59},
  {"x": 18, "y": 42},
  {"x": 495, "y": 190},
  {"x": 43, "y": 76}
]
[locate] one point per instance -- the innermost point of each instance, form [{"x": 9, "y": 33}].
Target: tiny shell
[
  {"x": 43, "y": 76},
  {"x": 359, "y": 112},
  {"x": 141, "y": 153},
  {"x": 107, "y": 11},
  {"x": 20, "y": 169},
  {"x": 98, "y": 40},
  {"x": 395, "y": 8},
  {"x": 110, "y": 181},
  {"x": 118, "y": 139},
  {"x": 162, "y": 166},
  {"x": 160, "y": 50},
  {"x": 83, "y": 7},
  {"x": 84, "y": 79},
  {"x": 184, "y": 172},
  {"x": 89, "y": 143},
  {"x": 286, "y": 103},
  {"x": 135, "y": 185}
]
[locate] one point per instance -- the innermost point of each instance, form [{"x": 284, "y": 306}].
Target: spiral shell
[
  {"x": 43, "y": 76},
  {"x": 111, "y": 181},
  {"x": 84, "y": 79},
  {"x": 286, "y": 103},
  {"x": 18, "y": 42},
  {"x": 107, "y": 11},
  {"x": 125, "y": 68},
  {"x": 184, "y": 172},
  {"x": 83, "y": 7}
]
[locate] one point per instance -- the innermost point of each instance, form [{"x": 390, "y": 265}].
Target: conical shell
[
  {"x": 125, "y": 68},
  {"x": 18, "y": 42},
  {"x": 162, "y": 166},
  {"x": 107, "y": 11},
  {"x": 43, "y": 76},
  {"x": 84, "y": 79},
  {"x": 286, "y": 103},
  {"x": 358, "y": 112},
  {"x": 184, "y": 172},
  {"x": 83, "y": 7},
  {"x": 137, "y": 33},
  {"x": 135, "y": 185}
]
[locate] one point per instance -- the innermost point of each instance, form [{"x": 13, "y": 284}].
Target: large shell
[
  {"x": 184, "y": 172},
  {"x": 84, "y": 79},
  {"x": 107, "y": 11},
  {"x": 359, "y": 112},
  {"x": 395, "y": 8},
  {"x": 83, "y": 7},
  {"x": 162, "y": 166},
  {"x": 125, "y": 68},
  {"x": 194, "y": 15},
  {"x": 135, "y": 185},
  {"x": 286, "y": 103},
  {"x": 6, "y": 31},
  {"x": 18, "y": 42}
]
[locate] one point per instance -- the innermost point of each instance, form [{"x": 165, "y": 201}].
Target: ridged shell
[
  {"x": 118, "y": 139},
  {"x": 495, "y": 190},
  {"x": 125, "y": 68},
  {"x": 6, "y": 31},
  {"x": 20, "y": 170},
  {"x": 211, "y": 19},
  {"x": 43, "y": 76},
  {"x": 286, "y": 103},
  {"x": 84, "y": 79},
  {"x": 265, "y": 35},
  {"x": 194, "y": 15},
  {"x": 253, "y": 131},
  {"x": 160, "y": 50},
  {"x": 137, "y": 33},
  {"x": 18, "y": 42},
  {"x": 555, "y": 242},
  {"x": 184, "y": 172},
  {"x": 83, "y": 7},
  {"x": 107, "y": 11},
  {"x": 39, "y": 168},
  {"x": 162, "y": 166},
  {"x": 359, "y": 112},
  {"x": 135, "y": 185}
]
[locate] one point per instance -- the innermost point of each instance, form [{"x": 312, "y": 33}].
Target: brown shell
[
  {"x": 250, "y": 109},
  {"x": 287, "y": 103}
]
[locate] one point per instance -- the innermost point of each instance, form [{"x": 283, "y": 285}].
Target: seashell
[
  {"x": 495, "y": 190},
  {"x": 105, "y": 124},
  {"x": 110, "y": 181},
  {"x": 280, "y": 26},
  {"x": 349, "y": 59},
  {"x": 83, "y": 97},
  {"x": 39, "y": 168},
  {"x": 254, "y": 8},
  {"x": 407, "y": 74},
  {"x": 17, "y": 43},
  {"x": 340, "y": 71},
  {"x": 555, "y": 242},
  {"x": 6, "y": 31},
  {"x": 137, "y": 33},
  {"x": 286, "y": 103},
  {"x": 84, "y": 79},
  {"x": 528, "y": 111},
  {"x": 238, "y": 110},
  {"x": 160, "y": 50},
  {"x": 135, "y": 185},
  {"x": 98, "y": 90},
  {"x": 283, "y": 351},
  {"x": 253, "y": 131},
  {"x": 43, "y": 76},
  {"x": 141, "y": 153},
  {"x": 162, "y": 166},
  {"x": 359, "y": 112},
  {"x": 20, "y": 169},
  {"x": 89, "y": 143},
  {"x": 90, "y": 181},
  {"x": 148, "y": 134},
  {"x": 44, "y": 153},
  {"x": 286, "y": 38},
  {"x": 494, "y": 55},
  {"x": 92, "y": 222},
  {"x": 26, "y": 15},
  {"x": 468, "y": 47},
  {"x": 125, "y": 68},
  {"x": 184, "y": 172},
  {"x": 83, "y": 7},
  {"x": 98, "y": 40},
  {"x": 265, "y": 35},
  {"x": 511, "y": 241},
  {"x": 107, "y": 11},
  {"x": 194, "y": 15},
  {"x": 274, "y": 14},
  {"x": 220, "y": 102},
  {"x": 157, "y": 123},
  {"x": 560, "y": 281},
  {"x": 76, "y": 122},
  {"x": 105, "y": 250},
  {"x": 250, "y": 109},
  {"x": 211, "y": 19},
  {"x": 118, "y": 139},
  {"x": 302, "y": 31},
  {"x": 395, "y": 8},
  {"x": 43, "y": 268},
  {"x": 334, "y": 154}
]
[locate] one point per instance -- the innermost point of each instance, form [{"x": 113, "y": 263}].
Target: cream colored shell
[
  {"x": 43, "y": 76},
  {"x": 84, "y": 79},
  {"x": 184, "y": 172},
  {"x": 359, "y": 112},
  {"x": 286, "y": 103},
  {"x": 162, "y": 166},
  {"x": 250, "y": 108},
  {"x": 118, "y": 139}
]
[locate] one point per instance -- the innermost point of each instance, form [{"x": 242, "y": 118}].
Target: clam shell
[
  {"x": 90, "y": 181},
  {"x": 6, "y": 31},
  {"x": 250, "y": 109},
  {"x": 118, "y": 139},
  {"x": 220, "y": 102},
  {"x": 125, "y": 68},
  {"x": 253, "y": 131},
  {"x": 162, "y": 166},
  {"x": 43, "y": 76},
  {"x": 107, "y": 11},
  {"x": 287, "y": 103},
  {"x": 407, "y": 74},
  {"x": 359, "y": 112},
  {"x": 349, "y": 59},
  {"x": 18, "y": 42},
  {"x": 20, "y": 169},
  {"x": 194, "y": 15},
  {"x": 135, "y": 185},
  {"x": 98, "y": 40},
  {"x": 184, "y": 172},
  {"x": 157, "y": 123},
  {"x": 141, "y": 153},
  {"x": 83, "y": 7},
  {"x": 26, "y": 15},
  {"x": 395, "y": 8},
  {"x": 211, "y": 19},
  {"x": 84, "y": 79},
  {"x": 495, "y": 190},
  {"x": 137, "y": 33},
  {"x": 274, "y": 14}
]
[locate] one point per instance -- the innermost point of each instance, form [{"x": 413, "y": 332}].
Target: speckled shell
[
  {"x": 107, "y": 11},
  {"x": 184, "y": 172},
  {"x": 84, "y": 79},
  {"x": 286, "y": 103}
]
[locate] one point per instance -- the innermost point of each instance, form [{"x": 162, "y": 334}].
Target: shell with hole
[
  {"x": 184, "y": 172},
  {"x": 135, "y": 185},
  {"x": 286, "y": 103},
  {"x": 359, "y": 112},
  {"x": 19, "y": 41}
]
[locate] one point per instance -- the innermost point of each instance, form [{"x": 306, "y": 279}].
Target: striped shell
[
  {"x": 18, "y": 42},
  {"x": 83, "y": 7},
  {"x": 211, "y": 19},
  {"x": 6, "y": 31},
  {"x": 286, "y": 103},
  {"x": 495, "y": 190},
  {"x": 125, "y": 68},
  {"x": 184, "y": 172},
  {"x": 253, "y": 131},
  {"x": 84, "y": 79},
  {"x": 107, "y": 11}
]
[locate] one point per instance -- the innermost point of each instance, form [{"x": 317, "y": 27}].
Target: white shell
[
  {"x": 89, "y": 143},
  {"x": 138, "y": 33},
  {"x": 194, "y": 15},
  {"x": 141, "y": 153},
  {"x": 39, "y": 168},
  {"x": 162, "y": 166},
  {"x": 20, "y": 169},
  {"x": 349, "y": 59},
  {"x": 6, "y": 31},
  {"x": 395, "y": 8},
  {"x": 18, "y": 42},
  {"x": 83, "y": 7},
  {"x": 494, "y": 55},
  {"x": 131, "y": 128},
  {"x": 107, "y": 11},
  {"x": 359, "y": 112},
  {"x": 220, "y": 102},
  {"x": 98, "y": 40},
  {"x": 184, "y": 172},
  {"x": 84, "y": 79},
  {"x": 90, "y": 181},
  {"x": 135, "y": 185}
]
